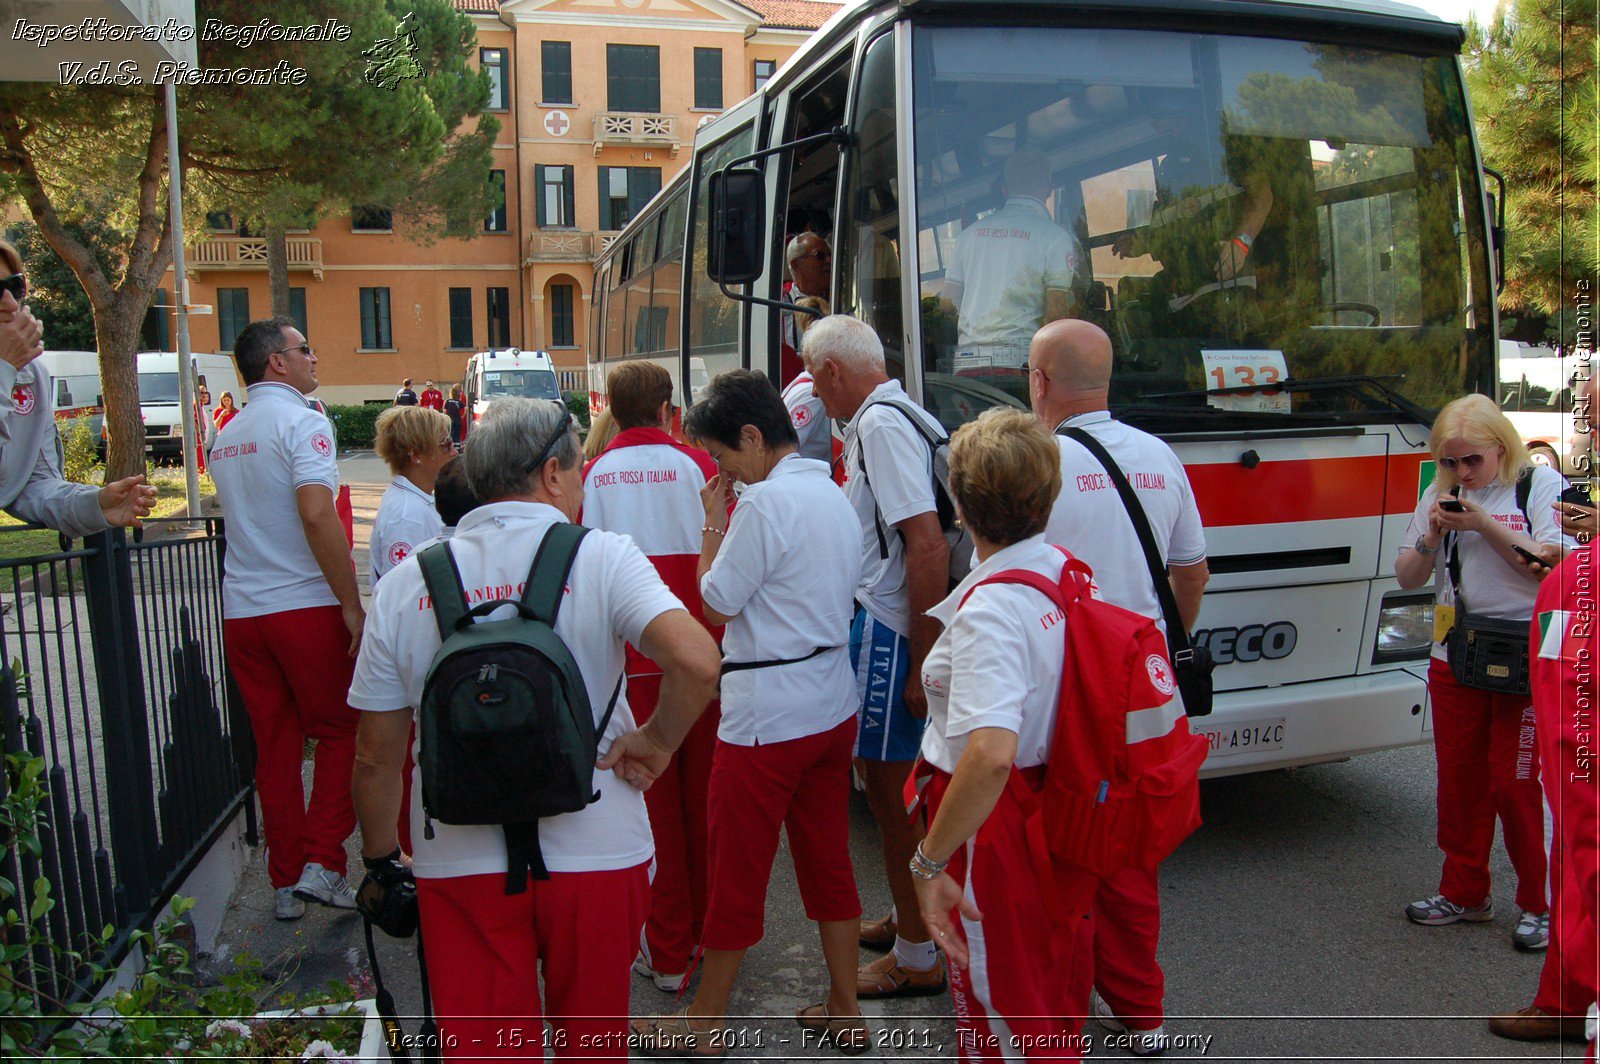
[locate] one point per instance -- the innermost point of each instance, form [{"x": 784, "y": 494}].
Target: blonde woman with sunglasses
[{"x": 1464, "y": 536}]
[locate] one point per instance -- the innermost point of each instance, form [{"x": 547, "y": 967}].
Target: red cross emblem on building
[{"x": 556, "y": 123}]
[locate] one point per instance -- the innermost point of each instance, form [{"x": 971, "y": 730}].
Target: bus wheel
[{"x": 1544, "y": 454}]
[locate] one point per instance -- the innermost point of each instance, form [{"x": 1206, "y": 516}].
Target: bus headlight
[{"x": 1405, "y": 627}]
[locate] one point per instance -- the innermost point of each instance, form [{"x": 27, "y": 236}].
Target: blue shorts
[{"x": 882, "y": 657}]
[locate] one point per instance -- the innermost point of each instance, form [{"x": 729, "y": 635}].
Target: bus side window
[
  {"x": 868, "y": 251},
  {"x": 714, "y": 319}
]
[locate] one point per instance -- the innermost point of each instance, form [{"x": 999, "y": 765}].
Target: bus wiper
[{"x": 1353, "y": 382}]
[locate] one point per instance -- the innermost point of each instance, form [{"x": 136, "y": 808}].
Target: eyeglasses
[
  {"x": 821, "y": 255},
  {"x": 16, "y": 284},
  {"x": 550, "y": 444},
  {"x": 1471, "y": 461},
  {"x": 447, "y": 444},
  {"x": 304, "y": 349}
]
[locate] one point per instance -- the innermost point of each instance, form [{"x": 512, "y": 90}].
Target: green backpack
[{"x": 508, "y": 735}]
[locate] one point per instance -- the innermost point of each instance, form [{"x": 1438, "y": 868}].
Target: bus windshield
[
  {"x": 528, "y": 383},
  {"x": 1232, "y": 211}
]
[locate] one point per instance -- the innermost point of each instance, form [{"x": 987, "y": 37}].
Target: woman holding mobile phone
[{"x": 1488, "y": 500}]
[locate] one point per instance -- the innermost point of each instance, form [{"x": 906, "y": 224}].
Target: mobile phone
[
  {"x": 1527, "y": 555},
  {"x": 1455, "y": 506}
]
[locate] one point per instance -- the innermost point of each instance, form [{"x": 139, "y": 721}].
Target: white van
[
  {"x": 77, "y": 389},
  {"x": 1536, "y": 395},
  {"x": 508, "y": 371},
  {"x": 158, "y": 394}
]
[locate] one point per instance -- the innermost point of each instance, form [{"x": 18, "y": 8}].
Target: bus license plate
[{"x": 1245, "y": 736}]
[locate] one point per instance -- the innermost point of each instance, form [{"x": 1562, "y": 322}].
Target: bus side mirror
[{"x": 738, "y": 226}]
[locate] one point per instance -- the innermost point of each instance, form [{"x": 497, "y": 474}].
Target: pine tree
[{"x": 1531, "y": 74}]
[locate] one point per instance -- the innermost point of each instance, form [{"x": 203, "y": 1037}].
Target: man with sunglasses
[
  {"x": 291, "y": 610},
  {"x": 31, "y": 485}
]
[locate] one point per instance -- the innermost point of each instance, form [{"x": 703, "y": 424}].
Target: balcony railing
[
  {"x": 627, "y": 127},
  {"x": 567, "y": 245},
  {"x": 250, "y": 253}
]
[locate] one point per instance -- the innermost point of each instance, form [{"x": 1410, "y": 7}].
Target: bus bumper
[{"x": 1304, "y": 724}]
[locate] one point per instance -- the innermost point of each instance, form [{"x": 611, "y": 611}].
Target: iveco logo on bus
[{"x": 1253, "y": 642}]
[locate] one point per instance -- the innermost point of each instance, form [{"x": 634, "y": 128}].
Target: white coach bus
[{"x": 1370, "y": 289}]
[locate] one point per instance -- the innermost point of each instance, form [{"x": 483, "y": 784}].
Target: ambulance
[
  {"x": 1298, "y": 390},
  {"x": 505, "y": 372}
]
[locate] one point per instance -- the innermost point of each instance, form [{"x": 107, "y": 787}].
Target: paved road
[{"x": 1284, "y": 934}]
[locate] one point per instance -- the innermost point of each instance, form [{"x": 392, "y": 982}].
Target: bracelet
[
  {"x": 1423, "y": 548},
  {"x": 1241, "y": 243},
  {"x": 925, "y": 867},
  {"x": 714, "y": 531}
]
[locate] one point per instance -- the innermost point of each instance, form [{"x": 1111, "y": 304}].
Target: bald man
[
  {"x": 1013, "y": 270},
  {"x": 1565, "y": 647},
  {"x": 1069, "y": 375}
]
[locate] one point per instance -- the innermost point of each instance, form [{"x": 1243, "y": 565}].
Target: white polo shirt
[
  {"x": 1090, "y": 521},
  {"x": 899, "y": 477},
  {"x": 612, "y": 596},
  {"x": 997, "y": 664},
  {"x": 406, "y": 520},
  {"x": 276, "y": 445},
  {"x": 1004, "y": 264},
  {"x": 1490, "y": 585},
  {"x": 787, "y": 575},
  {"x": 810, "y": 420}
]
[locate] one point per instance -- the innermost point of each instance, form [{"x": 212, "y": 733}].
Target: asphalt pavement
[{"x": 1284, "y": 937}]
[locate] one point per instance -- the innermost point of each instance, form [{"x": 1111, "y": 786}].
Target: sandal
[
  {"x": 671, "y": 1036},
  {"x": 848, "y": 1034}
]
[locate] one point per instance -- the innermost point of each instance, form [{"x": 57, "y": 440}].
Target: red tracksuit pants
[
  {"x": 1488, "y": 764},
  {"x": 1127, "y": 930},
  {"x": 486, "y": 950},
  {"x": 677, "y": 805},
  {"x": 1571, "y": 973},
  {"x": 294, "y": 672},
  {"x": 1025, "y": 993}
]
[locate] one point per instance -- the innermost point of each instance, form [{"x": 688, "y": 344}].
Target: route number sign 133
[{"x": 1246, "y": 369}]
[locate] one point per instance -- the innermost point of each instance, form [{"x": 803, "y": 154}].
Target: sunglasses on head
[
  {"x": 16, "y": 284},
  {"x": 555, "y": 438},
  {"x": 1471, "y": 461}
]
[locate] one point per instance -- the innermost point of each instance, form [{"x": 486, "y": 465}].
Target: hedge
[{"x": 356, "y": 426}]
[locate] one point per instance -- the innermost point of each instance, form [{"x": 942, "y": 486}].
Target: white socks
[{"x": 919, "y": 956}]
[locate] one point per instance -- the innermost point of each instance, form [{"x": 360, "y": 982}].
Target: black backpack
[
  {"x": 508, "y": 735},
  {"x": 939, "y": 472}
]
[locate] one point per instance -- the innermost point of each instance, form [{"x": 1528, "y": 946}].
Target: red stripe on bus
[{"x": 1317, "y": 489}]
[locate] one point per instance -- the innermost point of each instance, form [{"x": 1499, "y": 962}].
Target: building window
[
  {"x": 556, "y": 67},
  {"x": 297, "y": 309},
  {"x": 493, "y": 60},
  {"x": 624, "y": 190},
  {"x": 764, "y": 70},
  {"x": 496, "y": 222},
  {"x": 499, "y": 300},
  {"x": 561, "y": 330},
  {"x": 375, "y": 335},
  {"x": 368, "y": 219},
  {"x": 555, "y": 192},
  {"x": 633, "y": 77},
  {"x": 461, "y": 318},
  {"x": 708, "y": 78},
  {"x": 154, "y": 336},
  {"x": 233, "y": 314},
  {"x": 219, "y": 221}
]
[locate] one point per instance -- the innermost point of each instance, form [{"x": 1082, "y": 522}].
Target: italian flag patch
[{"x": 1554, "y": 629}]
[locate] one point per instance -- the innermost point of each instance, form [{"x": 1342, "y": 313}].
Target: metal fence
[{"x": 114, "y": 674}]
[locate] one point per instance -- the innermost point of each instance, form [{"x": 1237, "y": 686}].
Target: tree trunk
[
  {"x": 278, "y": 269},
  {"x": 116, "y": 333}
]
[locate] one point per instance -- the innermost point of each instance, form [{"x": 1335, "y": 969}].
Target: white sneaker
[
  {"x": 326, "y": 886},
  {"x": 1149, "y": 1043},
  {"x": 669, "y": 983},
  {"x": 288, "y": 907}
]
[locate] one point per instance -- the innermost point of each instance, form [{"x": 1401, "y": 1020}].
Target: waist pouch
[{"x": 1489, "y": 654}]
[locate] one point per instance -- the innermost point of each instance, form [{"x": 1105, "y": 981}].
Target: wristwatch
[{"x": 1422, "y": 548}]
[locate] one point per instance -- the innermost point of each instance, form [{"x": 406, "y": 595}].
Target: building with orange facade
[{"x": 598, "y": 103}]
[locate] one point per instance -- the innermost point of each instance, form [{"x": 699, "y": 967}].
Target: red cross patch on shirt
[
  {"x": 322, "y": 444},
  {"x": 22, "y": 399}
]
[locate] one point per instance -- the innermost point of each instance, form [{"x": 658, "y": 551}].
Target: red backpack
[{"x": 1121, "y": 788}]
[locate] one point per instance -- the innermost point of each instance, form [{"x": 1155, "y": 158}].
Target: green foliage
[
  {"x": 165, "y": 1013},
  {"x": 578, "y": 403},
  {"x": 80, "y": 451},
  {"x": 356, "y": 425},
  {"x": 55, "y": 296},
  {"x": 1532, "y": 76}
]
